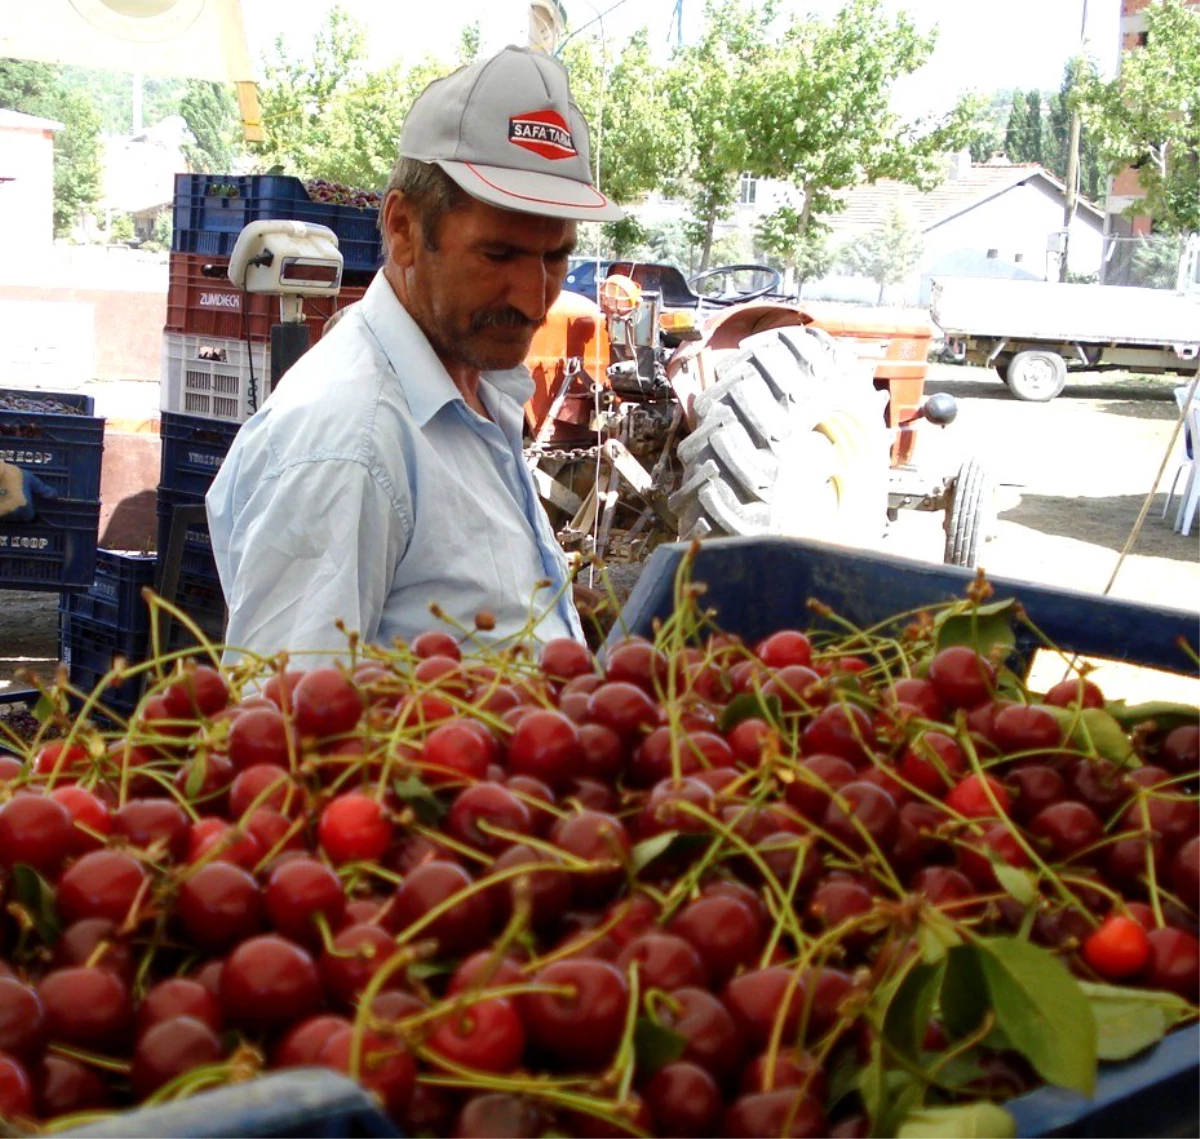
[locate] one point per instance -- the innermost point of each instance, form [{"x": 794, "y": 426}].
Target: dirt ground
[{"x": 1072, "y": 476}]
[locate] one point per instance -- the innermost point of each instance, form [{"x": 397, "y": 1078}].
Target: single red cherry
[
  {"x": 267, "y": 982},
  {"x": 354, "y": 828},
  {"x": 1119, "y": 948}
]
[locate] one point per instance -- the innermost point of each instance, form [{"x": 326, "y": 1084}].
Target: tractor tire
[
  {"x": 790, "y": 440},
  {"x": 969, "y": 515}
]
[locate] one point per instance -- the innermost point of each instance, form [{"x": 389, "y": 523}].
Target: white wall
[{"x": 26, "y": 202}]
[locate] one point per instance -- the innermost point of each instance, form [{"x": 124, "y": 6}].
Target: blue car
[{"x": 584, "y": 275}]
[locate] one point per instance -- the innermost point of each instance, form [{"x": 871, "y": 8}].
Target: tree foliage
[
  {"x": 787, "y": 243},
  {"x": 211, "y": 113},
  {"x": 38, "y": 89},
  {"x": 886, "y": 254},
  {"x": 822, "y": 117},
  {"x": 1149, "y": 116}
]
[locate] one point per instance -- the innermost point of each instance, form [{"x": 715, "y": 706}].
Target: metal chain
[{"x": 539, "y": 452}]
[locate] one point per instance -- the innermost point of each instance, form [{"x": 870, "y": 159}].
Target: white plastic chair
[
  {"x": 1189, "y": 502},
  {"x": 1186, "y": 450}
]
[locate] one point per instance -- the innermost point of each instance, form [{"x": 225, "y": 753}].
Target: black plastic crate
[
  {"x": 55, "y": 551},
  {"x": 64, "y": 450},
  {"x": 197, "y": 542},
  {"x": 88, "y": 648},
  {"x": 193, "y": 449},
  {"x": 115, "y": 598}
]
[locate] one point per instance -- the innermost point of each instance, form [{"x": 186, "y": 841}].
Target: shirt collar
[{"x": 426, "y": 384}]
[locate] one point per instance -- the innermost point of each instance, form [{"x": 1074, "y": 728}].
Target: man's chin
[{"x": 500, "y": 356}]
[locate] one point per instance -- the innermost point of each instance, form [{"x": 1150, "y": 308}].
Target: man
[{"x": 385, "y": 473}]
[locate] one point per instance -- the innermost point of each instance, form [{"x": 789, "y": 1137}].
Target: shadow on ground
[
  {"x": 1113, "y": 393},
  {"x": 1105, "y": 522}
]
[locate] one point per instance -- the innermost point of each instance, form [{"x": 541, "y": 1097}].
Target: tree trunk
[
  {"x": 709, "y": 225},
  {"x": 879, "y": 299}
]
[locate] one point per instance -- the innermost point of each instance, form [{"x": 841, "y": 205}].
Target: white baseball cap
[{"x": 506, "y": 130}]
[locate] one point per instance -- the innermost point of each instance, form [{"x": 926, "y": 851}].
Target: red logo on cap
[{"x": 543, "y": 132}]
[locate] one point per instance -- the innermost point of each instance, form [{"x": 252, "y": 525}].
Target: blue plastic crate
[
  {"x": 64, "y": 450},
  {"x": 311, "y": 1103},
  {"x": 115, "y": 595},
  {"x": 87, "y": 648},
  {"x": 193, "y": 449},
  {"x": 759, "y": 585},
  {"x": 212, "y": 209},
  {"x": 55, "y": 551},
  {"x": 196, "y": 539}
]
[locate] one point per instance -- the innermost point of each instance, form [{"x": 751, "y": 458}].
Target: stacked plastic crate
[
  {"x": 51, "y": 447},
  {"x": 216, "y": 362}
]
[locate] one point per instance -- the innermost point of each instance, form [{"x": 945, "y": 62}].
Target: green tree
[
  {"x": 886, "y": 254},
  {"x": 1156, "y": 261},
  {"x": 633, "y": 130},
  {"x": 298, "y": 92},
  {"x": 37, "y": 89},
  {"x": 988, "y": 132},
  {"x": 469, "y": 43},
  {"x": 711, "y": 93},
  {"x": 1035, "y": 149},
  {"x": 1019, "y": 130},
  {"x": 1058, "y": 132},
  {"x": 788, "y": 244},
  {"x": 820, "y": 108},
  {"x": 1149, "y": 116},
  {"x": 211, "y": 113}
]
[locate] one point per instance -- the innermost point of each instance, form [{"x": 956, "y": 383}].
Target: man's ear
[{"x": 401, "y": 229}]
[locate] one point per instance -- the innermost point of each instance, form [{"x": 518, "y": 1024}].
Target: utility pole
[{"x": 1071, "y": 196}]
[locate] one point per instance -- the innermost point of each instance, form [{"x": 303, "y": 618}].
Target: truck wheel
[
  {"x": 968, "y": 515},
  {"x": 1036, "y": 375},
  {"x": 790, "y": 440}
]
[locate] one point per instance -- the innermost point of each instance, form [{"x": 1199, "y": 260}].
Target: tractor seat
[{"x": 666, "y": 280}]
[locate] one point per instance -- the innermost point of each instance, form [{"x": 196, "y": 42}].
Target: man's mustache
[{"x": 506, "y": 317}]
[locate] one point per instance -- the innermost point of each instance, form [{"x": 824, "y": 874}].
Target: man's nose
[{"x": 530, "y": 290}]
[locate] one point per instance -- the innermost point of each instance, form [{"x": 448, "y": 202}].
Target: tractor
[{"x": 668, "y": 408}]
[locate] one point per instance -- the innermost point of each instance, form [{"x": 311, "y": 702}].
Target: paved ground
[{"x": 1072, "y": 477}]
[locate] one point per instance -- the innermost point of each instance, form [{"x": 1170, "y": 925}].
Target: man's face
[{"x": 483, "y": 292}]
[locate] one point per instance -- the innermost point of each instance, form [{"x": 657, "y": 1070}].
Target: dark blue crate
[
  {"x": 1155, "y": 1094},
  {"x": 55, "y": 551},
  {"x": 115, "y": 596},
  {"x": 193, "y": 449},
  {"x": 88, "y": 648},
  {"x": 212, "y": 209},
  {"x": 64, "y": 451},
  {"x": 310, "y": 1103},
  {"x": 197, "y": 546},
  {"x": 759, "y": 585}
]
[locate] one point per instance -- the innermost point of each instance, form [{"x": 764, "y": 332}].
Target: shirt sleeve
[{"x": 316, "y": 543}]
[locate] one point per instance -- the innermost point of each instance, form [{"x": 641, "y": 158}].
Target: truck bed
[{"x": 1054, "y": 313}]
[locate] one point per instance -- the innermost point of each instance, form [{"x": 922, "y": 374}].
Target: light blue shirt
[{"x": 366, "y": 489}]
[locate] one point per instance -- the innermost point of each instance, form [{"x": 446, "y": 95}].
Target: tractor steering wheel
[{"x": 731, "y": 294}]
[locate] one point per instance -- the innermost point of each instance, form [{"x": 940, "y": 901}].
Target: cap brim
[{"x": 532, "y": 193}]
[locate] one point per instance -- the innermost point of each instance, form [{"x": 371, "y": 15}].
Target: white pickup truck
[{"x": 1034, "y": 332}]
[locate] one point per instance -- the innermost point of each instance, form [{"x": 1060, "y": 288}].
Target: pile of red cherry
[{"x": 651, "y": 896}]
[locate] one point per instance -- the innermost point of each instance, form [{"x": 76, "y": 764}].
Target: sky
[{"x": 983, "y": 45}]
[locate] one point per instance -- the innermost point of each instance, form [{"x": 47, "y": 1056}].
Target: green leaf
[
  {"x": 964, "y": 996},
  {"x": 909, "y": 1011},
  {"x": 196, "y": 777},
  {"x": 655, "y": 1045},
  {"x": 1094, "y": 731},
  {"x": 649, "y": 849},
  {"x": 980, "y": 1120},
  {"x": 1164, "y": 713},
  {"x": 1128, "y": 1021},
  {"x": 1019, "y": 884},
  {"x": 37, "y": 898},
  {"x": 676, "y": 841},
  {"x": 1042, "y": 1011},
  {"x": 935, "y": 935},
  {"x": 984, "y": 628},
  {"x": 428, "y": 807},
  {"x": 747, "y": 706},
  {"x": 47, "y": 707}
]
